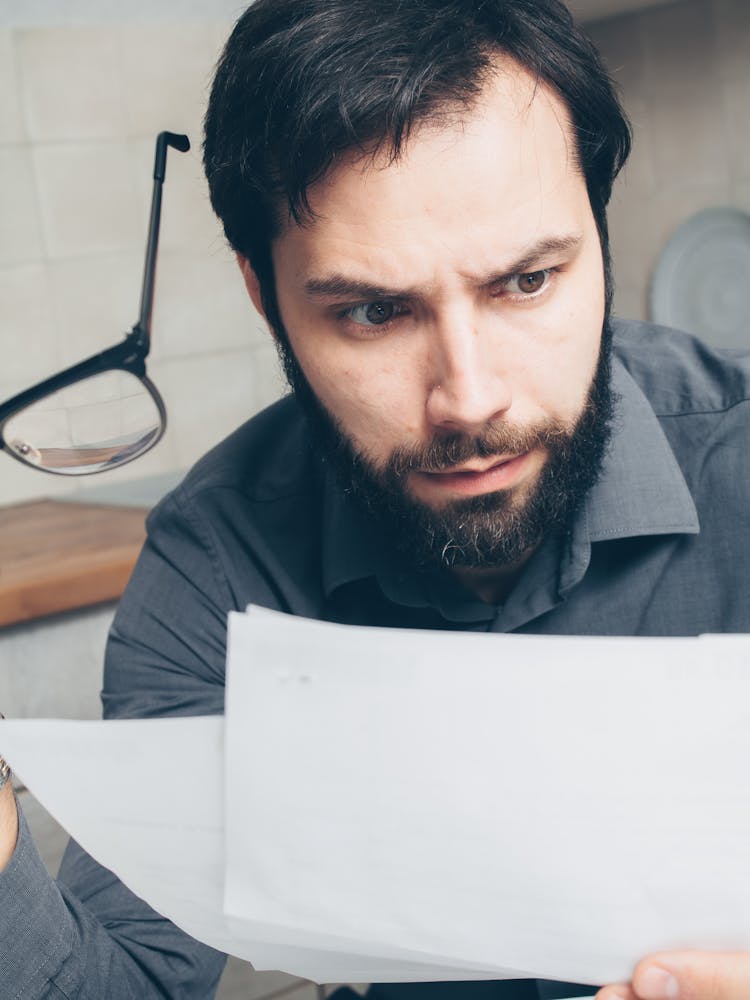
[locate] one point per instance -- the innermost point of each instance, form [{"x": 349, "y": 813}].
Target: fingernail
[{"x": 655, "y": 983}]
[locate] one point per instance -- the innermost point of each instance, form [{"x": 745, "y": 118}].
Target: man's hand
[
  {"x": 686, "y": 975},
  {"x": 8, "y": 824}
]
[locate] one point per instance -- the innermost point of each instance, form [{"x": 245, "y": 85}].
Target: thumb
[{"x": 693, "y": 975}]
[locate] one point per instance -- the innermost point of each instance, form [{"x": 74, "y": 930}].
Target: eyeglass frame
[{"x": 130, "y": 354}]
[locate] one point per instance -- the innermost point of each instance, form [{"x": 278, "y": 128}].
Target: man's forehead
[
  {"x": 471, "y": 198},
  {"x": 509, "y": 94},
  {"x": 515, "y": 141}
]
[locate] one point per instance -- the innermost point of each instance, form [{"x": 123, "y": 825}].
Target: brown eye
[
  {"x": 532, "y": 282},
  {"x": 374, "y": 313},
  {"x": 379, "y": 312}
]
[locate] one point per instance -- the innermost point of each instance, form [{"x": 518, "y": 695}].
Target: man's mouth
[
  {"x": 474, "y": 478},
  {"x": 474, "y": 467}
]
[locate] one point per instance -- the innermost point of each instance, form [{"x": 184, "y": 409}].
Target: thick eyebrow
[
  {"x": 552, "y": 246},
  {"x": 341, "y": 286}
]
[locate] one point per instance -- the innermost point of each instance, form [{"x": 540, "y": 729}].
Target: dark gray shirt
[{"x": 661, "y": 547}]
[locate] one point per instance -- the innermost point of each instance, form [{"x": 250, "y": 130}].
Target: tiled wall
[
  {"x": 684, "y": 72},
  {"x": 79, "y": 111}
]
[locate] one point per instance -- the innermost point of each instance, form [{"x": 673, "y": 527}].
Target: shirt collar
[{"x": 641, "y": 491}]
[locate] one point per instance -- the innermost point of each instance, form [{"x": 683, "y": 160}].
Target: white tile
[
  {"x": 19, "y": 483},
  {"x": 737, "y": 105},
  {"x": 639, "y": 173},
  {"x": 29, "y": 330},
  {"x": 188, "y": 222},
  {"x": 620, "y": 42},
  {"x": 680, "y": 49},
  {"x": 208, "y": 396},
  {"x": 633, "y": 239},
  {"x": 97, "y": 301},
  {"x": 87, "y": 199},
  {"x": 690, "y": 141},
  {"x": 11, "y": 118},
  {"x": 20, "y": 238},
  {"x": 270, "y": 382},
  {"x": 201, "y": 305},
  {"x": 71, "y": 83},
  {"x": 223, "y": 29},
  {"x": 167, "y": 67}
]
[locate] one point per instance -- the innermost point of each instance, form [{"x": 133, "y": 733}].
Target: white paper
[
  {"x": 563, "y": 806},
  {"x": 145, "y": 798},
  {"x": 428, "y": 805}
]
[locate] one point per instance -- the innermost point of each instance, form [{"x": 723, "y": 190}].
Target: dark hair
[{"x": 302, "y": 81}]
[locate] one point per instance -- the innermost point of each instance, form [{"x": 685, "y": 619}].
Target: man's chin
[
  {"x": 459, "y": 503},
  {"x": 488, "y": 529}
]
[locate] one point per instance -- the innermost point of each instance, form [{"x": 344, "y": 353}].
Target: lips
[
  {"x": 472, "y": 479},
  {"x": 471, "y": 469}
]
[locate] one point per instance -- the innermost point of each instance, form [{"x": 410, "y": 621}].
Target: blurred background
[{"x": 85, "y": 85}]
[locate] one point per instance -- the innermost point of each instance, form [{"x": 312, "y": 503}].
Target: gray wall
[{"x": 684, "y": 73}]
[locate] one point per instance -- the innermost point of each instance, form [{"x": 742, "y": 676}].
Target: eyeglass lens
[{"x": 90, "y": 426}]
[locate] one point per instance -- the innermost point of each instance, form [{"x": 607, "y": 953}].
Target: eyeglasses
[{"x": 104, "y": 411}]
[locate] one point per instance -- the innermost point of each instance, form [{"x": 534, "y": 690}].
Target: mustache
[{"x": 498, "y": 439}]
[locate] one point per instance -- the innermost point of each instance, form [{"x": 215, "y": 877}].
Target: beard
[{"x": 496, "y": 529}]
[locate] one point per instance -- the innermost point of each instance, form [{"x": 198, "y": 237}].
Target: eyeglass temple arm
[{"x": 182, "y": 143}]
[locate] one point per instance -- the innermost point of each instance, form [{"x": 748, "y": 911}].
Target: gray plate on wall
[{"x": 702, "y": 280}]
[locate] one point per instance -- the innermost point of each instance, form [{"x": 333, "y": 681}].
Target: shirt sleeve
[
  {"x": 34, "y": 918},
  {"x": 87, "y": 935},
  {"x": 100, "y": 942}
]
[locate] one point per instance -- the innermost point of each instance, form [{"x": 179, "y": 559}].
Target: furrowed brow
[
  {"x": 550, "y": 247},
  {"x": 341, "y": 286}
]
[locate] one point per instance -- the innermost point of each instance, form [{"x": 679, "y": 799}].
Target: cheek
[
  {"x": 564, "y": 360},
  {"x": 359, "y": 385},
  {"x": 369, "y": 392}
]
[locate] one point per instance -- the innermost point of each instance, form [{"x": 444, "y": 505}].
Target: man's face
[{"x": 446, "y": 309}]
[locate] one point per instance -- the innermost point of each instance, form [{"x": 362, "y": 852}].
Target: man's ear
[{"x": 251, "y": 284}]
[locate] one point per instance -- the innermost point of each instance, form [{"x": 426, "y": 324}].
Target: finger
[
  {"x": 618, "y": 991},
  {"x": 693, "y": 975}
]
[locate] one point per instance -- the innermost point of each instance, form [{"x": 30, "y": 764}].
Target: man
[{"x": 416, "y": 193}]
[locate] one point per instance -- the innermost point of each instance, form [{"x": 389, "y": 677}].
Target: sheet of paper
[
  {"x": 411, "y": 806},
  {"x": 561, "y": 806},
  {"x": 146, "y": 800}
]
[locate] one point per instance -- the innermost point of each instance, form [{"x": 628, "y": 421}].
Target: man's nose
[{"x": 469, "y": 388}]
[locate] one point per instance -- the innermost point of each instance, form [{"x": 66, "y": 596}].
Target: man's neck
[{"x": 492, "y": 584}]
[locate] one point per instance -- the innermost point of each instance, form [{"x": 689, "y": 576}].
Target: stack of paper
[{"x": 400, "y": 805}]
